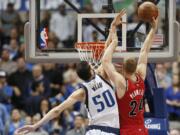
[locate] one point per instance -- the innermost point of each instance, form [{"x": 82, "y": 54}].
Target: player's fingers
[
  {"x": 122, "y": 12},
  {"x": 22, "y": 129},
  {"x": 26, "y": 132}
]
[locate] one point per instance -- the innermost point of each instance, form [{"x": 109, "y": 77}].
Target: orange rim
[
  {"x": 90, "y": 45},
  {"x": 97, "y": 48}
]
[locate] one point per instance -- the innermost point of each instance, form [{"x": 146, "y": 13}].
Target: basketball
[{"x": 147, "y": 11}]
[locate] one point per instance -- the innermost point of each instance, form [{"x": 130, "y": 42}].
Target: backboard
[{"x": 88, "y": 24}]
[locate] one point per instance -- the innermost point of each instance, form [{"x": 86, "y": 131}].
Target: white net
[{"x": 91, "y": 52}]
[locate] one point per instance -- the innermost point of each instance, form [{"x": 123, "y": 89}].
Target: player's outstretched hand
[
  {"x": 25, "y": 130},
  {"x": 118, "y": 19}
]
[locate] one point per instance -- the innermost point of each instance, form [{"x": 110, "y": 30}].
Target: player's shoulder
[{"x": 100, "y": 72}]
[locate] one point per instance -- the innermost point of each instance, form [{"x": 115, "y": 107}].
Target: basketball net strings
[{"x": 90, "y": 55}]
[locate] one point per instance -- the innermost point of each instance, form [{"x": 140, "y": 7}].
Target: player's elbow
[{"x": 56, "y": 112}]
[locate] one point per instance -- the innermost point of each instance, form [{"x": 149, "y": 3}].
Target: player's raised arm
[
  {"x": 78, "y": 95},
  {"x": 143, "y": 57},
  {"x": 115, "y": 77},
  {"x": 117, "y": 21}
]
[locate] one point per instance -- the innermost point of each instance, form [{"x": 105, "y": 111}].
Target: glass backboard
[{"x": 54, "y": 28}]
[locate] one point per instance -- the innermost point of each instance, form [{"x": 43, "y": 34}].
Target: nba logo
[{"x": 43, "y": 38}]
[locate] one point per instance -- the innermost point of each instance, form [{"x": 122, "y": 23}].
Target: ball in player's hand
[{"x": 147, "y": 10}]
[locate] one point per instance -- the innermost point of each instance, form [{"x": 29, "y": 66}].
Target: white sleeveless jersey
[{"x": 101, "y": 103}]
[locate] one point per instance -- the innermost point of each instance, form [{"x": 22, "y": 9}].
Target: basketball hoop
[{"x": 91, "y": 52}]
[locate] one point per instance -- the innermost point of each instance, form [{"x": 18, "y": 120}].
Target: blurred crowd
[{"x": 28, "y": 91}]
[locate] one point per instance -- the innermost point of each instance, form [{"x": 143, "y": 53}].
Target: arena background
[{"x": 28, "y": 91}]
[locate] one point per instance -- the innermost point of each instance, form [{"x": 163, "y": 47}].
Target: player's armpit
[
  {"x": 77, "y": 96},
  {"x": 141, "y": 70},
  {"x": 121, "y": 85},
  {"x": 117, "y": 79}
]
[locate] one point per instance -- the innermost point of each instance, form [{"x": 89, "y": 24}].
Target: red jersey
[{"x": 131, "y": 108}]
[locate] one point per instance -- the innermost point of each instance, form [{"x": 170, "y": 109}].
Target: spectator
[
  {"x": 67, "y": 26},
  {"x": 78, "y": 126},
  {"x": 6, "y": 91},
  {"x": 20, "y": 52},
  {"x": 53, "y": 38},
  {"x": 173, "y": 99},
  {"x": 95, "y": 36},
  {"x": 14, "y": 34},
  {"x": 6, "y": 64},
  {"x": 10, "y": 19},
  {"x": 163, "y": 79},
  {"x": 57, "y": 128},
  {"x": 55, "y": 77},
  {"x": 59, "y": 98},
  {"x": 69, "y": 116},
  {"x": 46, "y": 19},
  {"x": 2, "y": 40},
  {"x": 39, "y": 131},
  {"x": 33, "y": 102},
  {"x": 176, "y": 68},
  {"x": 168, "y": 67},
  {"x": 15, "y": 122},
  {"x": 89, "y": 30},
  {"x": 21, "y": 80},
  {"x": 1, "y": 128},
  {"x": 71, "y": 81},
  {"x": 3, "y": 118},
  {"x": 28, "y": 120},
  {"x": 38, "y": 76},
  {"x": 174, "y": 132},
  {"x": 88, "y": 8},
  {"x": 44, "y": 108},
  {"x": 14, "y": 47},
  {"x": 52, "y": 45}
]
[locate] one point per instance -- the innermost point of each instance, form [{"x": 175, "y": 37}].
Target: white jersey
[{"x": 101, "y": 103}]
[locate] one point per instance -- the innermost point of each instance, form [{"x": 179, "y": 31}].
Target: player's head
[
  {"x": 130, "y": 65},
  {"x": 83, "y": 70}
]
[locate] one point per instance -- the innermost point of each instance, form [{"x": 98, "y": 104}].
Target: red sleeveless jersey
[{"x": 131, "y": 107}]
